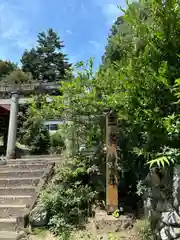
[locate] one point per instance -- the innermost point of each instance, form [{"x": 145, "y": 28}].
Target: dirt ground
[
  {"x": 100, "y": 233},
  {"x": 41, "y": 235},
  {"x": 124, "y": 235},
  {"x": 84, "y": 235}
]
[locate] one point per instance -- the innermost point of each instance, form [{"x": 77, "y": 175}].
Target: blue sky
[{"x": 83, "y": 25}]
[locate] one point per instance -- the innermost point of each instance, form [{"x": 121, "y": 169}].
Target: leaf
[
  {"x": 161, "y": 161},
  {"x": 177, "y": 82}
]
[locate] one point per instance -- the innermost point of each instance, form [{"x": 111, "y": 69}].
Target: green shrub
[
  {"x": 35, "y": 135},
  {"x": 41, "y": 142},
  {"x": 57, "y": 143},
  {"x": 67, "y": 199},
  {"x": 143, "y": 230}
]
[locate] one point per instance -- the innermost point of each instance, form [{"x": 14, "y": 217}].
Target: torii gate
[{"x": 10, "y": 107}]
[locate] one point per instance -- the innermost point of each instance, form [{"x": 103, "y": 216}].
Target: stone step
[
  {"x": 6, "y": 173},
  {"x": 8, "y": 182},
  {"x": 13, "y": 167},
  {"x": 20, "y": 190},
  {"x": 40, "y": 156},
  {"x": 32, "y": 161},
  {"x": 7, "y": 235},
  {"x": 8, "y": 224},
  {"x": 15, "y": 200},
  {"x": 10, "y": 211}
]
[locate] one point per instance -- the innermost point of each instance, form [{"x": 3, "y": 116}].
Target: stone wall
[{"x": 162, "y": 202}]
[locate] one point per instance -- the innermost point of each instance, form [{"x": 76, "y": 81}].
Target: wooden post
[{"x": 111, "y": 164}]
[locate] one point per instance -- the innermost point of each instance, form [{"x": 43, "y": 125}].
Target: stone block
[
  {"x": 38, "y": 217},
  {"x": 176, "y": 186},
  {"x": 164, "y": 233},
  {"x": 169, "y": 232},
  {"x": 3, "y": 160},
  {"x": 171, "y": 218},
  {"x": 108, "y": 223}
]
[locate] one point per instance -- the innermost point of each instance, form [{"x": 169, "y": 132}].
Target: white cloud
[
  {"x": 110, "y": 9},
  {"x": 97, "y": 45},
  {"x": 68, "y": 31},
  {"x": 13, "y": 28},
  {"x": 83, "y": 9}
]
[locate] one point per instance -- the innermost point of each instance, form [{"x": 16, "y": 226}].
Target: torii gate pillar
[{"x": 12, "y": 131}]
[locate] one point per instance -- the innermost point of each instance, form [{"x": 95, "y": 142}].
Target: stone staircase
[{"x": 20, "y": 183}]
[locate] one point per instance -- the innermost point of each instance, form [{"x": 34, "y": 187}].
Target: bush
[
  {"x": 35, "y": 135},
  {"x": 41, "y": 143},
  {"x": 57, "y": 143},
  {"x": 67, "y": 200},
  {"x": 143, "y": 230}
]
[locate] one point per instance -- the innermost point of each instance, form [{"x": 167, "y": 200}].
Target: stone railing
[{"x": 30, "y": 87}]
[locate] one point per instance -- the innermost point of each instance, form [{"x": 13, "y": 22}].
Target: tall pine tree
[{"x": 46, "y": 62}]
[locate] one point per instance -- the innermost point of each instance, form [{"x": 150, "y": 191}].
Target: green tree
[
  {"x": 116, "y": 47},
  {"x": 17, "y": 78},
  {"x": 6, "y": 67},
  {"x": 46, "y": 62},
  {"x": 121, "y": 34},
  {"x": 138, "y": 86},
  {"x": 33, "y": 132}
]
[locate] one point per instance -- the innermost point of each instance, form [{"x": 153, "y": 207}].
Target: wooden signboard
[{"x": 111, "y": 164}]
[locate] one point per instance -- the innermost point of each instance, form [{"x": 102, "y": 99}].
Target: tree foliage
[
  {"x": 6, "y": 67},
  {"x": 57, "y": 143},
  {"x": 17, "y": 78},
  {"x": 11, "y": 74},
  {"x": 121, "y": 34},
  {"x": 34, "y": 134},
  {"x": 138, "y": 85},
  {"x": 46, "y": 62}
]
